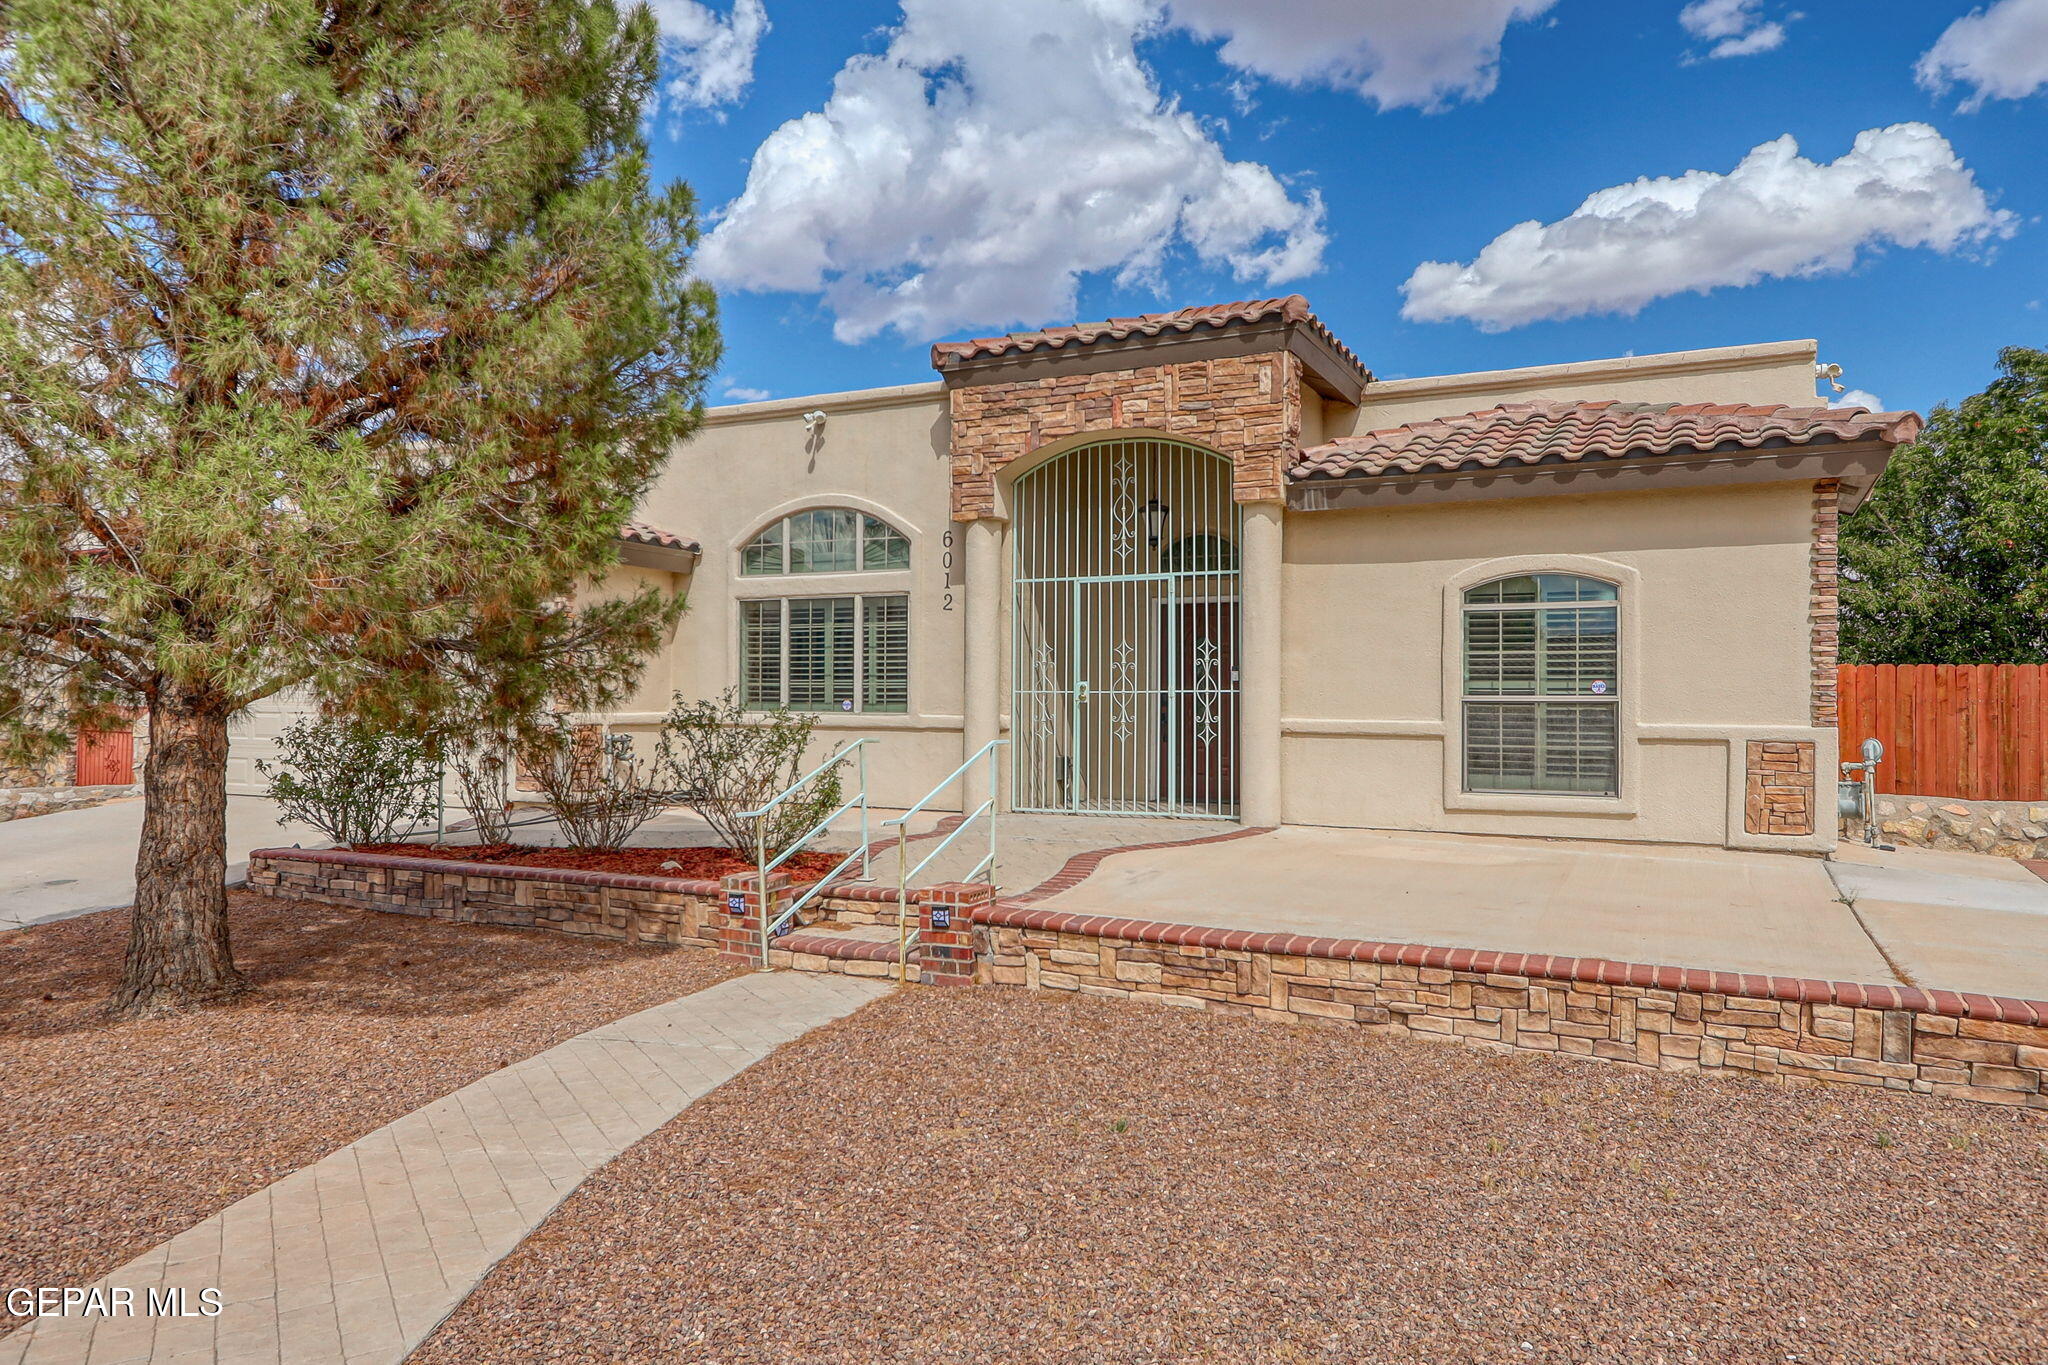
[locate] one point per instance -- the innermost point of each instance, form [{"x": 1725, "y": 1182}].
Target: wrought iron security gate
[{"x": 1124, "y": 656}]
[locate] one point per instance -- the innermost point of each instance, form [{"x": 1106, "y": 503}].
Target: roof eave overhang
[
  {"x": 1328, "y": 371},
  {"x": 1855, "y": 464},
  {"x": 667, "y": 558}
]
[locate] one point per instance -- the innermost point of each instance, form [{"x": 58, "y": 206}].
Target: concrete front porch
[{"x": 1914, "y": 917}]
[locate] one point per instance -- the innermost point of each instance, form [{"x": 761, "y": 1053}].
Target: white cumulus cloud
[
  {"x": 707, "y": 60},
  {"x": 1858, "y": 398},
  {"x": 1426, "y": 53},
  {"x": 1999, "y": 53},
  {"x": 1776, "y": 215},
  {"x": 1736, "y": 28},
  {"x": 973, "y": 172},
  {"x": 740, "y": 393}
]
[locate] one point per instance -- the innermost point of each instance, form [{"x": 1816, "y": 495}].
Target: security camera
[
  {"x": 1831, "y": 373},
  {"x": 813, "y": 419}
]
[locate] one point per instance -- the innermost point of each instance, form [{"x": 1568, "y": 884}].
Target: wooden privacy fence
[{"x": 1976, "y": 732}]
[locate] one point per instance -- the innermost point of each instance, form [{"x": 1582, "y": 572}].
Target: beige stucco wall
[
  {"x": 1715, "y": 588},
  {"x": 882, "y": 451},
  {"x": 1715, "y": 615}
]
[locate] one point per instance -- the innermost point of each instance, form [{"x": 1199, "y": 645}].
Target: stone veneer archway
[{"x": 1232, "y": 378}]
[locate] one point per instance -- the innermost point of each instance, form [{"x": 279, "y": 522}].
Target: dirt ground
[
  {"x": 114, "y": 1137},
  {"x": 994, "y": 1176}
]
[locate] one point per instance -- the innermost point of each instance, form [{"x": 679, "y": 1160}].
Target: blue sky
[{"x": 982, "y": 167}]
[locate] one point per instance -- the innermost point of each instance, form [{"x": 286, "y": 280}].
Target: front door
[{"x": 1200, "y": 736}]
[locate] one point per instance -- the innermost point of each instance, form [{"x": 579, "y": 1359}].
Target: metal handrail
[
  {"x": 762, "y": 866},
  {"x": 905, "y": 938}
]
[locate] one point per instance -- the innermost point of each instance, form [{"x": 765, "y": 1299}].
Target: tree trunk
[{"x": 178, "y": 952}]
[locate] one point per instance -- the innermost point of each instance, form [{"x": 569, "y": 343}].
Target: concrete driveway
[{"x": 54, "y": 866}]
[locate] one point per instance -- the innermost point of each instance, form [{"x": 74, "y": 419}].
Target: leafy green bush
[
  {"x": 594, "y": 785},
  {"x": 483, "y": 766},
  {"x": 722, "y": 759},
  {"x": 354, "y": 784}
]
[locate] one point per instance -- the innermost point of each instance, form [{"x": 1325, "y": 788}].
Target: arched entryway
[{"x": 1125, "y": 620}]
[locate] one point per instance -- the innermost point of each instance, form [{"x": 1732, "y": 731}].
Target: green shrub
[
  {"x": 354, "y": 784},
  {"x": 594, "y": 785},
  {"x": 722, "y": 759}
]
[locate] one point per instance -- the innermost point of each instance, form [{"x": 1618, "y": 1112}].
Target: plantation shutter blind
[
  {"x": 1521, "y": 642},
  {"x": 885, "y": 654},
  {"x": 761, "y": 654}
]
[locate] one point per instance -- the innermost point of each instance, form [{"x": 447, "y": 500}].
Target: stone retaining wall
[
  {"x": 1991, "y": 1050},
  {"x": 669, "y": 910},
  {"x": 1938, "y": 1043},
  {"x": 2005, "y": 829},
  {"x": 19, "y": 803}
]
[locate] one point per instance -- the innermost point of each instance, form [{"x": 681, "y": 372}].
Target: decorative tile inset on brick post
[
  {"x": 739, "y": 938},
  {"x": 1780, "y": 795},
  {"x": 1825, "y": 614},
  {"x": 945, "y": 934}
]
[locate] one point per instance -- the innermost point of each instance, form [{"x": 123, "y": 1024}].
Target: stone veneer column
[
  {"x": 1258, "y": 706},
  {"x": 982, "y": 705}
]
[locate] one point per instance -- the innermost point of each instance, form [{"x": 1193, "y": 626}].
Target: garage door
[{"x": 252, "y": 734}]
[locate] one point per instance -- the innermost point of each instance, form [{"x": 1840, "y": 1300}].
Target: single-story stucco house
[{"x": 1205, "y": 563}]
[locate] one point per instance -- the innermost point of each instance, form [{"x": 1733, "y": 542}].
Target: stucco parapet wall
[
  {"x": 931, "y": 393},
  {"x": 1704, "y": 361}
]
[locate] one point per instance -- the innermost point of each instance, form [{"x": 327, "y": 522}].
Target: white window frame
[
  {"x": 862, "y": 515},
  {"x": 859, "y": 698},
  {"x": 1628, "y": 594}
]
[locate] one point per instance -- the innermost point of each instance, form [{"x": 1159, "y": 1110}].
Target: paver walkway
[{"x": 358, "y": 1257}]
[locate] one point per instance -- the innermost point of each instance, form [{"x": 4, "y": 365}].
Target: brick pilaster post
[
  {"x": 945, "y": 933},
  {"x": 739, "y": 932}
]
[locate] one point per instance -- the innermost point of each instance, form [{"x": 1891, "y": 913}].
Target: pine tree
[
  {"x": 1947, "y": 562},
  {"x": 342, "y": 337}
]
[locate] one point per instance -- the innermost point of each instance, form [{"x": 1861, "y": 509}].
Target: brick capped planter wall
[
  {"x": 666, "y": 910},
  {"x": 599, "y": 904},
  {"x": 1936, "y": 1043}
]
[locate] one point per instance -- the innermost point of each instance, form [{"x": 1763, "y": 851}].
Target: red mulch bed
[{"x": 690, "y": 864}]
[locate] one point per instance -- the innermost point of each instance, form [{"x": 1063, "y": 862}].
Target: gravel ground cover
[
  {"x": 116, "y": 1136},
  {"x": 996, "y": 1176},
  {"x": 699, "y": 863}
]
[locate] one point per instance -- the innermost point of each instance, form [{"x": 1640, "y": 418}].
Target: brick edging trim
[
  {"x": 622, "y": 881},
  {"x": 1013, "y": 914},
  {"x": 1081, "y": 866},
  {"x": 618, "y": 881}
]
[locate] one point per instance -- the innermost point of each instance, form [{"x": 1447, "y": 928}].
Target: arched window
[
  {"x": 1199, "y": 553},
  {"x": 826, "y": 540},
  {"x": 846, "y": 653},
  {"x": 1542, "y": 685}
]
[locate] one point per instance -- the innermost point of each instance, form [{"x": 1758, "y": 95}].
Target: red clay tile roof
[
  {"x": 640, "y": 533},
  {"x": 1292, "y": 308},
  {"x": 1553, "y": 433}
]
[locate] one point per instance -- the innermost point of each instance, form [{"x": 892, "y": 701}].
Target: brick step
[{"x": 848, "y": 945}]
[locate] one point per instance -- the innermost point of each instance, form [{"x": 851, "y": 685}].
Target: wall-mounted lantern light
[{"x": 1157, "y": 514}]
